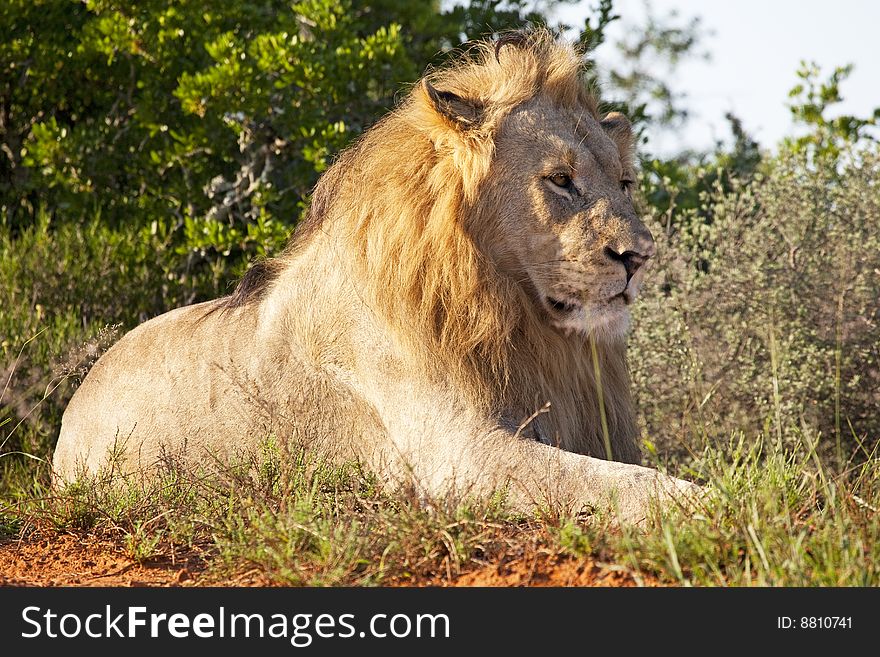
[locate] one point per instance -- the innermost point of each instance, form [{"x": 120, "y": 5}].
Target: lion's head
[
  {"x": 566, "y": 214},
  {"x": 552, "y": 180}
]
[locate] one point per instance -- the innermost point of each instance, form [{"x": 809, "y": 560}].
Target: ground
[{"x": 76, "y": 560}]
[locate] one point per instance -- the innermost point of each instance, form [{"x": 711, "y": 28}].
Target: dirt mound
[
  {"x": 543, "y": 569},
  {"x": 65, "y": 560},
  {"x": 68, "y": 560}
]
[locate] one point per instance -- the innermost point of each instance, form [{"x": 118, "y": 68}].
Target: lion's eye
[
  {"x": 560, "y": 180},
  {"x": 626, "y": 186}
]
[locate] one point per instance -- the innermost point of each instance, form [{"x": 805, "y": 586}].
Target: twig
[{"x": 544, "y": 409}]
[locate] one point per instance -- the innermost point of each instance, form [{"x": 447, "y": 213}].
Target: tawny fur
[{"x": 410, "y": 322}]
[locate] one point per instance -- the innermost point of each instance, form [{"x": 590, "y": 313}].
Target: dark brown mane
[
  {"x": 257, "y": 280},
  {"x": 254, "y": 284}
]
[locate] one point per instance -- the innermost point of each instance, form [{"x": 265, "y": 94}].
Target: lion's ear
[
  {"x": 463, "y": 113},
  {"x": 618, "y": 128}
]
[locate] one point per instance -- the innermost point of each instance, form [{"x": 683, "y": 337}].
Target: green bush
[
  {"x": 762, "y": 313},
  {"x": 66, "y": 290}
]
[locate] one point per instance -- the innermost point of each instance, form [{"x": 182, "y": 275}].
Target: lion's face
[{"x": 571, "y": 234}]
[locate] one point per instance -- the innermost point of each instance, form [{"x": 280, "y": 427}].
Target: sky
[{"x": 755, "y": 48}]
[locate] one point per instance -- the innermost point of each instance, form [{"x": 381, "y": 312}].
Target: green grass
[
  {"x": 778, "y": 519},
  {"x": 771, "y": 519}
]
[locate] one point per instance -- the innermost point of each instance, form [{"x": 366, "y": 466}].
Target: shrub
[
  {"x": 66, "y": 288},
  {"x": 762, "y": 312}
]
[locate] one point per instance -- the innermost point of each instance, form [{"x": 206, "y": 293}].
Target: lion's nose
[{"x": 630, "y": 259}]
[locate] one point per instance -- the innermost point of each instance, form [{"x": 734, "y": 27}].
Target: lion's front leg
[
  {"x": 462, "y": 455},
  {"x": 538, "y": 475}
]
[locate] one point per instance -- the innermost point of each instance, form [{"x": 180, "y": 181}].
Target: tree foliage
[
  {"x": 205, "y": 123},
  {"x": 825, "y": 138}
]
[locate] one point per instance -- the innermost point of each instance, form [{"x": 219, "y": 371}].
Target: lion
[{"x": 451, "y": 313}]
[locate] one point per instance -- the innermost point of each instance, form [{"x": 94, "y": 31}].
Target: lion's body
[{"x": 439, "y": 294}]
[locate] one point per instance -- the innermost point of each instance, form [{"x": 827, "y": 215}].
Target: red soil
[{"x": 69, "y": 560}]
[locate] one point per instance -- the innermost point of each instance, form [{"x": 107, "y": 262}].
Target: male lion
[{"x": 451, "y": 313}]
